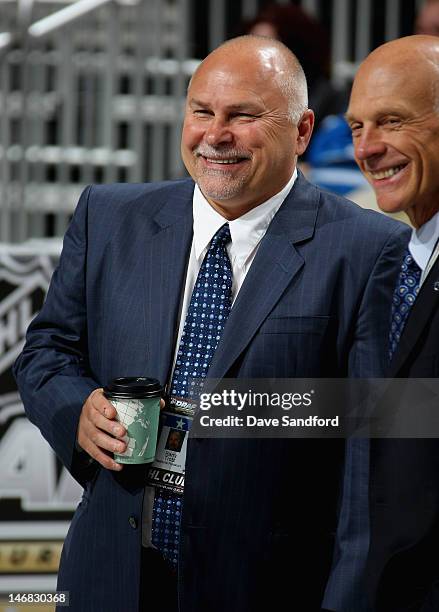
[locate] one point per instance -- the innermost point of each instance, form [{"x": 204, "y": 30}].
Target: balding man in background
[
  {"x": 304, "y": 290},
  {"x": 394, "y": 118}
]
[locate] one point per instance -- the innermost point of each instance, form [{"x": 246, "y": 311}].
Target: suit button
[{"x": 132, "y": 521}]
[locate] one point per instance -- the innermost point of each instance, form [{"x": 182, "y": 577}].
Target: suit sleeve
[
  {"x": 367, "y": 359},
  {"x": 52, "y": 372},
  {"x": 369, "y": 353}
]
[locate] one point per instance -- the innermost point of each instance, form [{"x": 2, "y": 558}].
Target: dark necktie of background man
[{"x": 406, "y": 290}]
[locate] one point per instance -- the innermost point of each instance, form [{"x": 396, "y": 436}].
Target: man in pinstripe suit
[
  {"x": 395, "y": 125},
  {"x": 312, "y": 279}
]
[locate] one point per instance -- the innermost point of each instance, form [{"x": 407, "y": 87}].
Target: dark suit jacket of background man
[
  {"x": 259, "y": 515},
  {"x": 403, "y": 559}
]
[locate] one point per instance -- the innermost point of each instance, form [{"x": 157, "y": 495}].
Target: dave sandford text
[{"x": 230, "y": 398}]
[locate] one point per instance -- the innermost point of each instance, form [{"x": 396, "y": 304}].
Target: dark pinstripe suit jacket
[
  {"x": 259, "y": 515},
  {"x": 403, "y": 571}
]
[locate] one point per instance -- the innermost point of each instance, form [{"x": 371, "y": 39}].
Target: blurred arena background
[{"x": 93, "y": 91}]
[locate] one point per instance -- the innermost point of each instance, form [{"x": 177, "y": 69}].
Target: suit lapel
[
  {"x": 166, "y": 256},
  {"x": 276, "y": 263},
  {"x": 425, "y": 304}
]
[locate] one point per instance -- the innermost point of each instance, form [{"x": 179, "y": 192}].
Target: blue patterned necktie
[
  {"x": 405, "y": 293},
  {"x": 206, "y": 317}
]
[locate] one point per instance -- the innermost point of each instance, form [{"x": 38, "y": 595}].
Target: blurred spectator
[
  {"x": 427, "y": 21},
  {"x": 308, "y": 39},
  {"x": 331, "y": 157}
]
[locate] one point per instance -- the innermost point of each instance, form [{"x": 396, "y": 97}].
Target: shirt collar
[
  {"x": 423, "y": 240},
  {"x": 246, "y": 231}
]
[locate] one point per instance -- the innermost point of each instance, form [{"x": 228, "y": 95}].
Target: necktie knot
[
  {"x": 407, "y": 286},
  {"x": 222, "y": 236},
  {"x": 410, "y": 270}
]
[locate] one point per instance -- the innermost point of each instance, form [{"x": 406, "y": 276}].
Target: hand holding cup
[{"x": 99, "y": 433}]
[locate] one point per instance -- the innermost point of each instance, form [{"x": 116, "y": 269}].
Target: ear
[{"x": 304, "y": 131}]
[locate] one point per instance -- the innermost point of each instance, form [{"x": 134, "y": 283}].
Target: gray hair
[{"x": 294, "y": 88}]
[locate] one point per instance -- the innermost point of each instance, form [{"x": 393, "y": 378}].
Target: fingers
[
  {"x": 106, "y": 424},
  {"x": 99, "y": 402},
  {"x": 96, "y": 422}
]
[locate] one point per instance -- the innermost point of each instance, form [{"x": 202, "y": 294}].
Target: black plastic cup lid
[{"x": 132, "y": 387}]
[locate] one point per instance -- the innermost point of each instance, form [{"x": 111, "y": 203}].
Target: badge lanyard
[{"x": 168, "y": 469}]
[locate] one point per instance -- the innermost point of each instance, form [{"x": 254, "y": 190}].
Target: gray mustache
[{"x": 220, "y": 152}]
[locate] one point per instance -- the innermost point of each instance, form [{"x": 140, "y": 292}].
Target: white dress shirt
[
  {"x": 424, "y": 246},
  {"x": 246, "y": 233}
]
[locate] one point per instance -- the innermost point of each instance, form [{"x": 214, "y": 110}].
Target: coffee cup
[{"x": 137, "y": 403}]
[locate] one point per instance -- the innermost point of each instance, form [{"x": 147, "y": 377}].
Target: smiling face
[
  {"x": 394, "y": 120},
  {"x": 238, "y": 141}
]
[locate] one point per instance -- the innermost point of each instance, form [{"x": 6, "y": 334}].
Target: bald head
[
  {"x": 412, "y": 57},
  {"x": 275, "y": 62},
  {"x": 406, "y": 48},
  {"x": 394, "y": 118}
]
